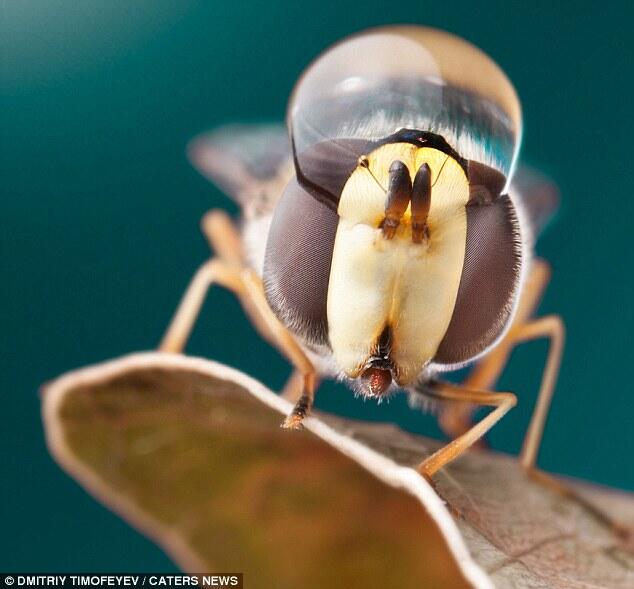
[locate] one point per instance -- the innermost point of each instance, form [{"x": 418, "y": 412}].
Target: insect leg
[
  {"x": 223, "y": 237},
  {"x": 248, "y": 287},
  {"x": 212, "y": 271},
  {"x": 457, "y": 418},
  {"x": 229, "y": 270},
  {"x": 502, "y": 403},
  {"x": 289, "y": 347},
  {"x": 551, "y": 327},
  {"x": 224, "y": 270},
  {"x": 294, "y": 386}
]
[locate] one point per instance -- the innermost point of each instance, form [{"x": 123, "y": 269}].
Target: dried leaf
[{"x": 190, "y": 452}]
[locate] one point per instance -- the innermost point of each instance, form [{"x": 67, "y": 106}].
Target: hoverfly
[{"x": 385, "y": 237}]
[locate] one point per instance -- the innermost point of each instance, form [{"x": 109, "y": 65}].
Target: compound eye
[
  {"x": 297, "y": 263},
  {"x": 323, "y": 169},
  {"x": 489, "y": 282}
]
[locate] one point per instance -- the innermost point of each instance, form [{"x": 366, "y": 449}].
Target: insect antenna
[
  {"x": 421, "y": 203},
  {"x": 399, "y": 193},
  {"x": 440, "y": 171},
  {"x": 364, "y": 162}
]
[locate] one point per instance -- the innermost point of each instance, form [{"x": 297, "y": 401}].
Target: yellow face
[{"x": 378, "y": 283}]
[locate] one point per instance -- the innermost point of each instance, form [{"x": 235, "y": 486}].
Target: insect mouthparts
[
  {"x": 377, "y": 376},
  {"x": 377, "y": 380}
]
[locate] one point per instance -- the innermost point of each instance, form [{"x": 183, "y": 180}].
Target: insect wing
[
  {"x": 238, "y": 158},
  {"x": 537, "y": 196}
]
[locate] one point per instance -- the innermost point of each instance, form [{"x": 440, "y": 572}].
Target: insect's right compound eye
[
  {"x": 297, "y": 263},
  {"x": 489, "y": 282}
]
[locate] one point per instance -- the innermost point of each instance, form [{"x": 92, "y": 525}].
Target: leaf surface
[{"x": 190, "y": 452}]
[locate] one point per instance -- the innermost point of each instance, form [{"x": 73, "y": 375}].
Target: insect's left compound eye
[{"x": 297, "y": 263}]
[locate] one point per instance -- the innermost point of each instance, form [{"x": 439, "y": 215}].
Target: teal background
[{"x": 100, "y": 209}]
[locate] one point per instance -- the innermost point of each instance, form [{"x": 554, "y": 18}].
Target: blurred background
[{"x": 100, "y": 209}]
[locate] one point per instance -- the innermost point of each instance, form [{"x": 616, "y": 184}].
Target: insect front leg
[
  {"x": 294, "y": 386},
  {"x": 224, "y": 269},
  {"x": 444, "y": 391},
  {"x": 289, "y": 347},
  {"x": 552, "y": 328},
  {"x": 228, "y": 270},
  {"x": 225, "y": 240}
]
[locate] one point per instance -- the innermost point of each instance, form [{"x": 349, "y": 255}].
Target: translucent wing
[
  {"x": 536, "y": 195},
  {"x": 239, "y": 158}
]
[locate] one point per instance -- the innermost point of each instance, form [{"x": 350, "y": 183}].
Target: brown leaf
[{"x": 191, "y": 453}]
